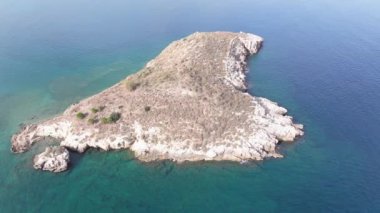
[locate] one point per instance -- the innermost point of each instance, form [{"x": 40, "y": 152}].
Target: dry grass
[{"x": 132, "y": 85}]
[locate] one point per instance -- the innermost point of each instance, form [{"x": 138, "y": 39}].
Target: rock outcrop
[
  {"x": 188, "y": 104},
  {"x": 53, "y": 159}
]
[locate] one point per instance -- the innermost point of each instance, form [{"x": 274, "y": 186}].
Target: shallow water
[{"x": 320, "y": 60}]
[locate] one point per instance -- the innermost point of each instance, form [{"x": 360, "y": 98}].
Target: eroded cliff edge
[{"x": 188, "y": 104}]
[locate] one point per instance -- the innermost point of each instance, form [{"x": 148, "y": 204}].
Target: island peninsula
[{"x": 190, "y": 103}]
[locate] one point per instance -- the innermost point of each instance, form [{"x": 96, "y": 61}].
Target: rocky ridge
[{"x": 188, "y": 104}]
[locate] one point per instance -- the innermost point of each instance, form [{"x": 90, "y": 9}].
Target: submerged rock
[
  {"x": 53, "y": 159},
  {"x": 188, "y": 104}
]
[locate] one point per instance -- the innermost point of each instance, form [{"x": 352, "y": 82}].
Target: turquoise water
[{"x": 320, "y": 60}]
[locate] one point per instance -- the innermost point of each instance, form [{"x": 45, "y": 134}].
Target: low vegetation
[
  {"x": 94, "y": 110},
  {"x": 99, "y": 109},
  {"x": 105, "y": 120},
  {"x": 147, "y": 108},
  {"x": 93, "y": 120},
  {"x": 132, "y": 85},
  {"x": 115, "y": 116},
  {"x": 81, "y": 115}
]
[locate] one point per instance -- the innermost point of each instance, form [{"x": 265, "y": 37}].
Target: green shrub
[
  {"x": 81, "y": 115},
  {"x": 94, "y": 110},
  {"x": 115, "y": 116},
  {"x": 105, "y": 120},
  {"x": 93, "y": 121}
]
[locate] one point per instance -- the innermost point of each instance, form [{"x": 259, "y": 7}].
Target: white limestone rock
[{"x": 53, "y": 159}]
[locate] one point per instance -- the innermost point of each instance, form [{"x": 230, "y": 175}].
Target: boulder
[{"x": 53, "y": 159}]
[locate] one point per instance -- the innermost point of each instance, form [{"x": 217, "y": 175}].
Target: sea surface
[{"x": 320, "y": 60}]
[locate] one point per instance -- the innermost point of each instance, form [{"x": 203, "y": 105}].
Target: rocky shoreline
[{"x": 188, "y": 104}]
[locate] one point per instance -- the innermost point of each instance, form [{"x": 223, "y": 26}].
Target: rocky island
[{"x": 190, "y": 103}]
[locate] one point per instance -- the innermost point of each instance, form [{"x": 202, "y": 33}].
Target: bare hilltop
[{"x": 190, "y": 103}]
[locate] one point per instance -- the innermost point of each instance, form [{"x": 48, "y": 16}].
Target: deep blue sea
[{"x": 320, "y": 60}]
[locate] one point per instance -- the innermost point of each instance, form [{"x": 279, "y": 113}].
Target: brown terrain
[{"x": 188, "y": 104}]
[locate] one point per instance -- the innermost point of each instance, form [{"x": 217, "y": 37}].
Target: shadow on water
[{"x": 75, "y": 159}]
